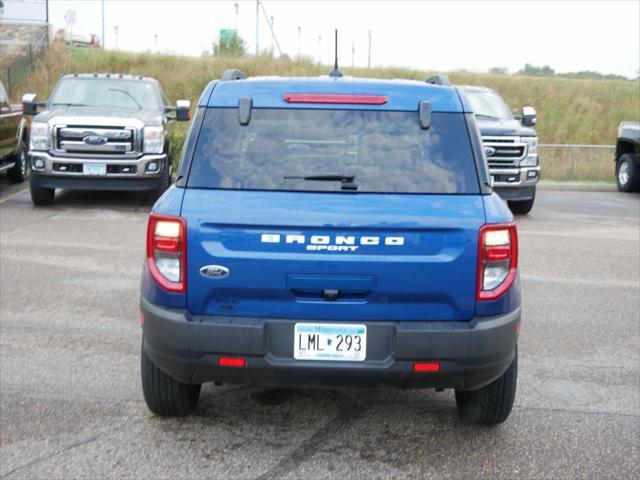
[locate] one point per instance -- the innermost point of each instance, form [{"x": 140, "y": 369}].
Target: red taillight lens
[
  {"x": 167, "y": 252},
  {"x": 339, "y": 98},
  {"x": 497, "y": 260},
  {"x": 237, "y": 362},
  {"x": 426, "y": 367}
]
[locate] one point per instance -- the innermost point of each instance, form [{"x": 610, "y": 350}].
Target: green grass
[{"x": 569, "y": 110}]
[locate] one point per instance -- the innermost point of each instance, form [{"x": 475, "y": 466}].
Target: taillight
[
  {"x": 339, "y": 98},
  {"x": 497, "y": 260},
  {"x": 167, "y": 252}
]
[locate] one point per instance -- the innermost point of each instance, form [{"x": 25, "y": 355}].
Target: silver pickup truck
[{"x": 101, "y": 132}]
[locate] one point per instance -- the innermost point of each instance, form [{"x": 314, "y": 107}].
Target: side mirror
[
  {"x": 529, "y": 116},
  {"x": 183, "y": 110},
  {"x": 29, "y": 104}
]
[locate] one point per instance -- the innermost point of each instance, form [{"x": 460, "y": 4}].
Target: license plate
[
  {"x": 328, "y": 341},
  {"x": 98, "y": 169}
]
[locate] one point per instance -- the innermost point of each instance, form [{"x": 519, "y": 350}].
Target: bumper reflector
[
  {"x": 426, "y": 367},
  {"x": 236, "y": 362}
]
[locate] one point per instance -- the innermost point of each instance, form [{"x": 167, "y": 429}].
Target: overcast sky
[{"x": 434, "y": 35}]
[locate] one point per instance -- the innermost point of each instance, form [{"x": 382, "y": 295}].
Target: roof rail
[
  {"x": 233, "y": 74},
  {"x": 438, "y": 80}
]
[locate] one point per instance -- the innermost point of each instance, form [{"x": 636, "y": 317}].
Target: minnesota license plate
[
  {"x": 97, "y": 169},
  {"x": 328, "y": 341}
]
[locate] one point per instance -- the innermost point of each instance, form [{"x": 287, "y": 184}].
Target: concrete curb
[{"x": 578, "y": 186}]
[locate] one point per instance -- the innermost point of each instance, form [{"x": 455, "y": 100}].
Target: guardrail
[{"x": 581, "y": 162}]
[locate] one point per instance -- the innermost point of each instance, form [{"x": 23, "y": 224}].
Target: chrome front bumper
[
  {"x": 517, "y": 177},
  {"x": 137, "y": 167}
]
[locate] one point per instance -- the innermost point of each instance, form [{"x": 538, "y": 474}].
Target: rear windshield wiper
[{"x": 347, "y": 180}]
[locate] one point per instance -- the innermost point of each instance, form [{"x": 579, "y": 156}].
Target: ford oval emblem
[
  {"x": 214, "y": 271},
  {"x": 95, "y": 140},
  {"x": 489, "y": 151}
]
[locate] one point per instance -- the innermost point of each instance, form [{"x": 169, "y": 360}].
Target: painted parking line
[{"x": 9, "y": 197}]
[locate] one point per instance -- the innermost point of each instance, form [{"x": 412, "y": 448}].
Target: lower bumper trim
[{"x": 471, "y": 354}]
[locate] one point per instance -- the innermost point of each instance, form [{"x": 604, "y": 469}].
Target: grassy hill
[{"x": 569, "y": 110}]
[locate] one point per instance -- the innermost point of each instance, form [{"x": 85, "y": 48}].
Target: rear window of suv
[{"x": 384, "y": 151}]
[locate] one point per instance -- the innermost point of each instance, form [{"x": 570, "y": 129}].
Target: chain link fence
[{"x": 577, "y": 162}]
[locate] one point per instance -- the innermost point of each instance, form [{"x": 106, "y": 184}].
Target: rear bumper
[{"x": 471, "y": 354}]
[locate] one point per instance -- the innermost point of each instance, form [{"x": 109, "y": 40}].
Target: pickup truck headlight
[
  {"x": 39, "y": 138},
  {"x": 153, "y": 139},
  {"x": 532, "y": 152}
]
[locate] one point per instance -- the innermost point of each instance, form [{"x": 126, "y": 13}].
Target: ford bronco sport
[
  {"x": 331, "y": 232},
  {"x": 101, "y": 132}
]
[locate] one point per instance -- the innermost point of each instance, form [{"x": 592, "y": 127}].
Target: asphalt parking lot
[{"x": 71, "y": 404}]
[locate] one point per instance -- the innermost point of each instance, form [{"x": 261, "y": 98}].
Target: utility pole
[
  {"x": 299, "y": 33},
  {"x": 115, "y": 29},
  {"x": 272, "y": 34},
  {"x": 369, "y": 58},
  {"x": 257, "y": 27},
  {"x": 155, "y": 43},
  {"x": 237, "y": 7},
  {"x": 319, "y": 48},
  {"x": 103, "y": 42},
  {"x": 353, "y": 53}
]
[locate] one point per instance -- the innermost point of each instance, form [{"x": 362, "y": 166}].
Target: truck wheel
[
  {"x": 491, "y": 404},
  {"x": 18, "y": 173},
  {"x": 165, "y": 183},
  {"x": 41, "y": 196},
  {"x": 627, "y": 173},
  {"x": 164, "y": 395},
  {"x": 522, "y": 207}
]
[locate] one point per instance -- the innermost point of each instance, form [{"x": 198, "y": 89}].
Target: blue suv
[{"x": 331, "y": 232}]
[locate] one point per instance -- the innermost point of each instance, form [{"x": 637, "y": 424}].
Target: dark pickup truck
[
  {"x": 628, "y": 157},
  {"x": 510, "y": 145},
  {"x": 14, "y": 138}
]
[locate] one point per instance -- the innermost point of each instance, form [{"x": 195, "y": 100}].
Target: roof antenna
[{"x": 335, "y": 72}]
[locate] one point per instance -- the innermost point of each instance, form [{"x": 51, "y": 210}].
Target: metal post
[
  {"x": 573, "y": 162},
  {"x": 353, "y": 53},
  {"x": 319, "y": 48},
  {"x": 369, "y": 56},
  {"x": 103, "y": 40},
  {"x": 299, "y": 33},
  {"x": 30, "y": 57},
  {"x": 257, "y": 27}
]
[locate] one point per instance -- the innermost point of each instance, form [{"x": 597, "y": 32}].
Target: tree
[
  {"x": 544, "y": 71},
  {"x": 499, "y": 70},
  {"x": 233, "y": 46}
]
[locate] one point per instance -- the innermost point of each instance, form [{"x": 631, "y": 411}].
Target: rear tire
[
  {"x": 627, "y": 173},
  {"x": 491, "y": 404},
  {"x": 522, "y": 207},
  {"x": 41, "y": 196},
  {"x": 18, "y": 173},
  {"x": 164, "y": 395}
]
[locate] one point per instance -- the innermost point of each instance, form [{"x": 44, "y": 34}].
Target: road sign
[{"x": 227, "y": 35}]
